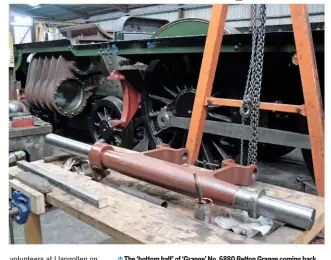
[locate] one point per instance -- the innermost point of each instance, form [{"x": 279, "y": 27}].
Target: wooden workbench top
[{"x": 131, "y": 220}]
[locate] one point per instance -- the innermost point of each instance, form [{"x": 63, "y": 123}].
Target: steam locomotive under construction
[{"x": 135, "y": 87}]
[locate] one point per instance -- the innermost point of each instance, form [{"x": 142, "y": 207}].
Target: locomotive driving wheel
[
  {"x": 105, "y": 110},
  {"x": 170, "y": 93}
]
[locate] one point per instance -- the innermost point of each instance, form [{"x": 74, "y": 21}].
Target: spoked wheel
[
  {"x": 170, "y": 92},
  {"x": 110, "y": 108}
]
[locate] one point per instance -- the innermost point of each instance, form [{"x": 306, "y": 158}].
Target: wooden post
[
  {"x": 311, "y": 89},
  {"x": 206, "y": 79},
  {"x": 32, "y": 230}
]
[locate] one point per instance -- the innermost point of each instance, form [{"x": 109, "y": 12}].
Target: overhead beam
[
  {"x": 122, "y": 8},
  {"x": 80, "y": 14},
  {"x": 54, "y": 22}
]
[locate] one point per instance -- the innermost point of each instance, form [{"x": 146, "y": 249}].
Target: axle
[{"x": 171, "y": 174}]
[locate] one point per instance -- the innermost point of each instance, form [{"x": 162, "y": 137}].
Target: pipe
[
  {"x": 16, "y": 156},
  {"x": 180, "y": 178},
  {"x": 144, "y": 196},
  {"x": 12, "y": 213},
  {"x": 69, "y": 146}
]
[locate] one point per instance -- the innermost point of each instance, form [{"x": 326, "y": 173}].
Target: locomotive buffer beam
[{"x": 233, "y": 130}]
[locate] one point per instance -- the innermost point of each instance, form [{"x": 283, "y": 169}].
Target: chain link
[{"x": 252, "y": 92}]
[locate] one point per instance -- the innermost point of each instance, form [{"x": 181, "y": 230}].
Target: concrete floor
[{"x": 60, "y": 228}]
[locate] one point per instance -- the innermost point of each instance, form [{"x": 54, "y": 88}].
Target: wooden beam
[
  {"x": 32, "y": 230},
  {"x": 206, "y": 79},
  {"x": 37, "y": 200},
  {"x": 311, "y": 89}
]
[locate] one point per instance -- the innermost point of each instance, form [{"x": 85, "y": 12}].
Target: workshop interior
[{"x": 161, "y": 123}]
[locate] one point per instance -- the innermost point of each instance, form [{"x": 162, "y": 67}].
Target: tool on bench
[
  {"x": 304, "y": 183},
  {"x": 164, "y": 167},
  {"x": 93, "y": 199},
  {"x": 203, "y": 207},
  {"x": 197, "y": 187}
]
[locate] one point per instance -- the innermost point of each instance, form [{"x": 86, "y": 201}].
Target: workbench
[
  {"x": 132, "y": 220},
  {"x": 31, "y": 139}
]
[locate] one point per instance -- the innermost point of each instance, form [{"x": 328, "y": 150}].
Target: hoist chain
[{"x": 251, "y": 99}]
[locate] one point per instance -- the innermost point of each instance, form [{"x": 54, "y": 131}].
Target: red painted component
[
  {"x": 22, "y": 123},
  {"x": 153, "y": 167},
  {"x": 131, "y": 100}
]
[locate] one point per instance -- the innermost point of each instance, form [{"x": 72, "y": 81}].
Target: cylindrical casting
[
  {"x": 180, "y": 178},
  {"x": 52, "y": 86}
]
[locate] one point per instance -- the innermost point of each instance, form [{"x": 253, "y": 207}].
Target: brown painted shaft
[{"x": 175, "y": 177}]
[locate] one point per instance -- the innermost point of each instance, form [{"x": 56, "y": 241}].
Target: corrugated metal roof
[{"x": 70, "y": 12}]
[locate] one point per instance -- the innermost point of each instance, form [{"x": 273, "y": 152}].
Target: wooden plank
[
  {"x": 131, "y": 220},
  {"x": 32, "y": 230},
  {"x": 36, "y": 198},
  {"x": 94, "y": 199},
  {"x": 34, "y": 181},
  {"x": 184, "y": 205},
  {"x": 13, "y": 171}
]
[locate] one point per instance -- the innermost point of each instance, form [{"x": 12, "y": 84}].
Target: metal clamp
[{"x": 22, "y": 203}]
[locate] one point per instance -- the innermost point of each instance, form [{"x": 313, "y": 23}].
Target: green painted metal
[
  {"x": 181, "y": 36},
  {"x": 183, "y": 27}
]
